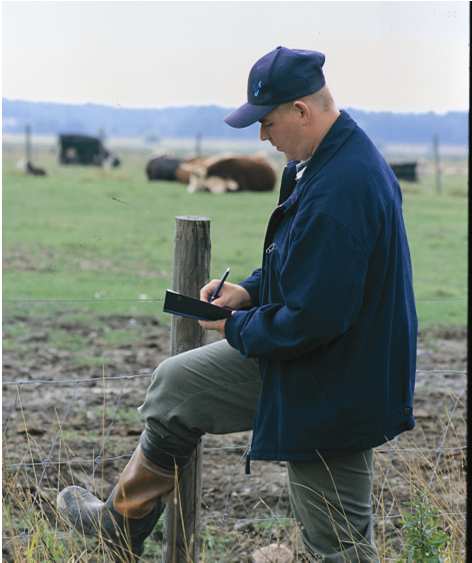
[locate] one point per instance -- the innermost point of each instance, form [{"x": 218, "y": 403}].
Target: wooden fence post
[
  {"x": 437, "y": 163},
  {"x": 198, "y": 145},
  {"x": 28, "y": 155},
  {"x": 191, "y": 271}
]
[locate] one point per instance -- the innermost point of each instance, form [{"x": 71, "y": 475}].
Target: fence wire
[
  {"x": 160, "y": 299},
  {"x": 96, "y": 461},
  {"x": 99, "y": 460},
  {"x": 85, "y": 300},
  {"x": 74, "y": 380},
  {"x": 98, "y": 379}
]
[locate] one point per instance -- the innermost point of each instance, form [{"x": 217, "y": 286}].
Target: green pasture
[{"x": 106, "y": 237}]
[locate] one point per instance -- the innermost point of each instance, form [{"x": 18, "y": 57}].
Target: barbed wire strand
[
  {"x": 160, "y": 299},
  {"x": 80, "y": 380},
  {"x": 99, "y": 460},
  {"x": 438, "y": 459},
  {"x": 76, "y": 380},
  {"x": 85, "y": 300},
  {"x": 244, "y": 521},
  {"x": 109, "y": 429}
]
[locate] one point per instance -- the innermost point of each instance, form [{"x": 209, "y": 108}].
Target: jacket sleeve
[
  {"x": 251, "y": 285},
  {"x": 321, "y": 279}
]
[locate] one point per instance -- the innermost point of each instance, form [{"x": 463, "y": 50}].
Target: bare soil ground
[{"x": 80, "y": 430}]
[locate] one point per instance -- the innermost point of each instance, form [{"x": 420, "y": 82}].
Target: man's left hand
[{"x": 214, "y": 325}]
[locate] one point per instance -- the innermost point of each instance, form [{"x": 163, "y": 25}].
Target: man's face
[{"x": 282, "y": 128}]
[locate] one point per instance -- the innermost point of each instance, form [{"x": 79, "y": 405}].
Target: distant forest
[{"x": 187, "y": 122}]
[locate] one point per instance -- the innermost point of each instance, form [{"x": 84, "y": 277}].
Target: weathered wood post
[
  {"x": 191, "y": 271},
  {"x": 198, "y": 145},
  {"x": 28, "y": 155},
  {"x": 437, "y": 164}
]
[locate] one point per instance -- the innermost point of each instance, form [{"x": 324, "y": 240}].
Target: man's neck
[{"x": 323, "y": 125}]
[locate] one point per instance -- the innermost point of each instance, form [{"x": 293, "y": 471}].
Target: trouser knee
[
  {"x": 164, "y": 393},
  {"x": 166, "y": 441}
]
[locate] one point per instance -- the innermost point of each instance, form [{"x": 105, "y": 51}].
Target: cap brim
[{"x": 247, "y": 114}]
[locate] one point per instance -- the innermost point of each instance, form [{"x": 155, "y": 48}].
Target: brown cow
[
  {"x": 232, "y": 173},
  {"x": 187, "y": 167}
]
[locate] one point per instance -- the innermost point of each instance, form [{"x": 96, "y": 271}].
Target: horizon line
[{"x": 181, "y": 106}]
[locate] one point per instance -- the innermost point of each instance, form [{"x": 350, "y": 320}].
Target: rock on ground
[{"x": 273, "y": 553}]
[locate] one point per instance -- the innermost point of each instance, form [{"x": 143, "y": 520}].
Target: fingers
[{"x": 207, "y": 290}]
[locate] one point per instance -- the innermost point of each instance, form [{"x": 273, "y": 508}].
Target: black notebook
[{"x": 184, "y": 306}]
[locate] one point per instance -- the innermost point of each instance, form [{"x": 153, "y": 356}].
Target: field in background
[
  {"x": 88, "y": 233},
  {"x": 102, "y": 240}
]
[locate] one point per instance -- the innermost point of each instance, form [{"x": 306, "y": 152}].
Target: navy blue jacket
[{"x": 334, "y": 323}]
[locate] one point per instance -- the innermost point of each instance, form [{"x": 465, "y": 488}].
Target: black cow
[
  {"x": 405, "y": 170},
  {"x": 34, "y": 170},
  {"x": 86, "y": 150},
  {"x": 163, "y": 168}
]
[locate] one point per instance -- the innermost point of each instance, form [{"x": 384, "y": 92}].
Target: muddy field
[{"x": 55, "y": 433}]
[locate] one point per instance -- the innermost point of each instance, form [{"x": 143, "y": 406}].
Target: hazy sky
[{"x": 399, "y": 56}]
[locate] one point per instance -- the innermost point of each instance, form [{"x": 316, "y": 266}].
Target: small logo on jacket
[{"x": 258, "y": 88}]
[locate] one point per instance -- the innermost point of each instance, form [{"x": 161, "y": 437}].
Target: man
[{"x": 319, "y": 355}]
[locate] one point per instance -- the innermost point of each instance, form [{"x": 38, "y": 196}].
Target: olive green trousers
[{"x": 214, "y": 389}]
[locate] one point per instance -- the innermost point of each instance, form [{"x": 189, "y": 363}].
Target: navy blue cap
[{"x": 280, "y": 76}]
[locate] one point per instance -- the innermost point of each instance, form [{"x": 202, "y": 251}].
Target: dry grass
[{"x": 34, "y": 531}]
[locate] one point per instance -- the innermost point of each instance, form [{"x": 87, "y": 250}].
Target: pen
[{"x": 214, "y": 295}]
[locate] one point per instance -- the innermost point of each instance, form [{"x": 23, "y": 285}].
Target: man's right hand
[{"x": 231, "y": 295}]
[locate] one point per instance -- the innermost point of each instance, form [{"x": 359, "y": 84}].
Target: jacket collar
[
  {"x": 337, "y": 135},
  {"x": 340, "y": 131},
  {"x": 334, "y": 139},
  {"x": 288, "y": 181}
]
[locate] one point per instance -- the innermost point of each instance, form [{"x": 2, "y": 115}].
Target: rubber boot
[{"x": 130, "y": 513}]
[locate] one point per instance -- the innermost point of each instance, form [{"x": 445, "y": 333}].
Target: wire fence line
[
  {"x": 277, "y": 517},
  {"x": 160, "y": 299},
  {"x": 74, "y": 380},
  {"x": 443, "y": 440},
  {"x": 442, "y": 371},
  {"x": 98, "y": 379},
  {"x": 95, "y": 461},
  {"x": 85, "y": 300},
  {"x": 99, "y": 460}
]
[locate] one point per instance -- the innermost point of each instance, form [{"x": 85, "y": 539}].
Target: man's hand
[{"x": 231, "y": 295}]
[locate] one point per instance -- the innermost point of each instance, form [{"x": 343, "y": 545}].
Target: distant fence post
[
  {"x": 28, "y": 143},
  {"x": 437, "y": 163},
  {"x": 198, "y": 145},
  {"x": 191, "y": 271}
]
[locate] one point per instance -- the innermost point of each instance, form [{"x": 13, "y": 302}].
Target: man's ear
[{"x": 303, "y": 110}]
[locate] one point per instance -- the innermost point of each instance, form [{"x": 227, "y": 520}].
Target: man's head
[
  {"x": 296, "y": 128},
  {"x": 287, "y": 94}
]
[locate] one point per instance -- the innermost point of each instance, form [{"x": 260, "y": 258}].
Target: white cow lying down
[{"x": 231, "y": 173}]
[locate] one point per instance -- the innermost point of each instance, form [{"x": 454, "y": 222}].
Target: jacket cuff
[{"x": 233, "y": 328}]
